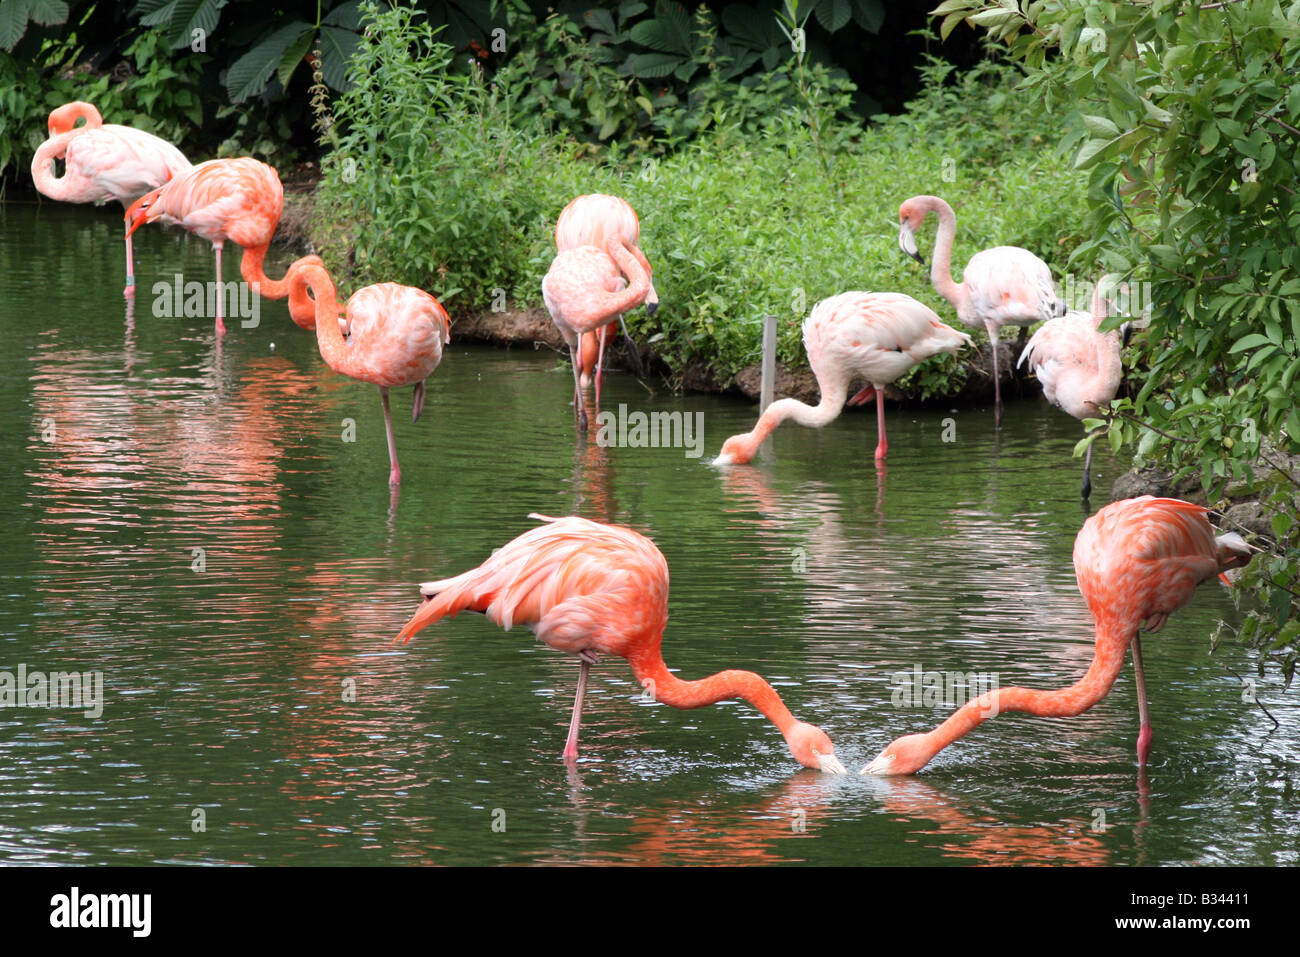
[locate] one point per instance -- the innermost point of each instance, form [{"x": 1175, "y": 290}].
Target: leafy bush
[{"x": 1186, "y": 118}]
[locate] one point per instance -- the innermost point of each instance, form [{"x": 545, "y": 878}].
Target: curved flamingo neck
[
  {"x": 250, "y": 267},
  {"x": 62, "y": 187},
  {"x": 638, "y": 280},
  {"x": 329, "y": 337},
  {"x": 941, "y": 266},
  {"x": 64, "y": 119},
  {"x": 668, "y": 688},
  {"x": 1113, "y": 639}
]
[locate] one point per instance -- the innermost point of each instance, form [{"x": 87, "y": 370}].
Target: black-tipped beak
[
  {"x": 918, "y": 257},
  {"x": 651, "y": 308}
]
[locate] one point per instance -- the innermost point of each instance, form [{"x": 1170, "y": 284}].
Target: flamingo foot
[
  {"x": 863, "y": 397},
  {"x": 395, "y": 476},
  {"x": 1144, "y": 743},
  {"x": 882, "y": 450},
  {"x": 129, "y": 291}
]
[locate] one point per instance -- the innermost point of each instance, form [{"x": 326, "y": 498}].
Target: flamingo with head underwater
[
  {"x": 103, "y": 162},
  {"x": 1137, "y": 562},
  {"x": 584, "y": 289},
  {"x": 388, "y": 334},
  {"x": 586, "y": 588},
  {"x": 873, "y": 335},
  {"x": 223, "y": 199},
  {"x": 593, "y": 220},
  {"x": 1005, "y": 285},
  {"x": 1078, "y": 365}
]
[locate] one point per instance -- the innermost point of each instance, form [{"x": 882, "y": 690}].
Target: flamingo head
[
  {"x": 812, "y": 748},
  {"x": 64, "y": 118},
  {"x": 910, "y": 216},
  {"x": 905, "y": 755},
  {"x": 137, "y": 214},
  {"x": 737, "y": 450}
]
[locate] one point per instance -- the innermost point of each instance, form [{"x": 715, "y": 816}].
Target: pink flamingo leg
[
  {"x": 129, "y": 291},
  {"x": 997, "y": 380},
  {"x": 600, "y": 363},
  {"x": 1144, "y": 714},
  {"x": 580, "y": 407},
  {"x": 571, "y": 743},
  {"x": 395, "y": 473},
  {"x": 221, "y": 294},
  {"x": 882, "y": 446}
]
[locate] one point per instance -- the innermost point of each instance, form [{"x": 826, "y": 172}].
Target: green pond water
[{"x": 227, "y": 735}]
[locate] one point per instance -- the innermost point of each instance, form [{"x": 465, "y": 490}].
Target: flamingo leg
[
  {"x": 580, "y": 408},
  {"x": 1087, "y": 473},
  {"x": 1144, "y": 714},
  {"x": 600, "y": 361},
  {"x": 129, "y": 291},
  {"x": 395, "y": 473},
  {"x": 221, "y": 295},
  {"x": 882, "y": 444},
  {"x": 863, "y": 397},
  {"x": 571, "y": 743},
  {"x": 997, "y": 378}
]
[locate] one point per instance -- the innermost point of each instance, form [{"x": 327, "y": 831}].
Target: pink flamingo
[
  {"x": 394, "y": 337},
  {"x": 102, "y": 163},
  {"x": 223, "y": 199},
  {"x": 1137, "y": 560},
  {"x": 584, "y": 289},
  {"x": 873, "y": 335},
  {"x": 1078, "y": 365},
  {"x": 1000, "y": 286},
  {"x": 593, "y": 220},
  {"x": 586, "y": 588}
]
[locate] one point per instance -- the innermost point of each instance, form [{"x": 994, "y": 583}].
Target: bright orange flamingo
[
  {"x": 875, "y": 336},
  {"x": 1137, "y": 561},
  {"x": 587, "y": 589},
  {"x": 593, "y": 220},
  {"x": 102, "y": 163},
  {"x": 236, "y": 199},
  {"x": 584, "y": 289},
  {"x": 1005, "y": 285},
  {"x": 394, "y": 337},
  {"x": 1078, "y": 365}
]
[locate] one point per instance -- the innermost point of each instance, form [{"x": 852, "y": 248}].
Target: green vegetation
[
  {"x": 1186, "y": 119},
  {"x": 765, "y": 211}
]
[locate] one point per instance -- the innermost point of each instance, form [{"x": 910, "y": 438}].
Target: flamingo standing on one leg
[
  {"x": 102, "y": 163},
  {"x": 236, "y": 199},
  {"x": 584, "y": 289},
  {"x": 1078, "y": 365},
  {"x": 593, "y": 220},
  {"x": 587, "y": 589},
  {"x": 1005, "y": 285},
  {"x": 873, "y": 335},
  {"x": 1137, "y": 560},
  {"x": 394, "y": 338}
]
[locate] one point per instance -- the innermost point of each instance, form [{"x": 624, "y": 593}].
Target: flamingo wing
[{"x": 1009, "y": 285}]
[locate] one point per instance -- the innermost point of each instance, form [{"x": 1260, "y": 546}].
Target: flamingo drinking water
[
  {"x": 586, "y": 588},
  {"x": 875, "y": 336}
]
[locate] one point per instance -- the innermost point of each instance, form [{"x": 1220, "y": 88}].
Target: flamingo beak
[
  {"x": 907, "y": 242},
  {"x": 830, "y": 764},
  {"x": 724, "y": 459},
  {"x": 880, "y": 765}
]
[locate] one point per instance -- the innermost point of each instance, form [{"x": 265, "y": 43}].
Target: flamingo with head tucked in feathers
[
  {"x": 1137, "y": 562},
  {"x": 593, "y": 220},
  {"x": 584, "y": 289},
  {"x": 1005, "y": 285},
  {"x": 586, "y": 588},
  {"x": 875, "y": 336},
  {"x": 388, "y": 334},
  {"x": 1078, "y": 365},
  {"x": 223, "y": 199},
  {"x": 103, "y": 162}
]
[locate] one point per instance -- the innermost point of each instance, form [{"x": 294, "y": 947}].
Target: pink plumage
[{"x": 876, "y": 336}]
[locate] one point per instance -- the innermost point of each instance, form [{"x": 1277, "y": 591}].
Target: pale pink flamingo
[
  {"x": 875, "y": 336},
  {"x": 236, "y": 199},
  {"x": 588, "y": 589},
  {"x": 593, "y": 220},
  {"x": 101, "y": 163},
  {"x": 1078, "y": 365},
  {"x": 584, "y": 289},
  {"x": 1137, "y": 561},
  {"x": 1005, "y": 285},
  {"x": 394, "y": 337}
]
